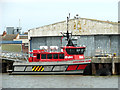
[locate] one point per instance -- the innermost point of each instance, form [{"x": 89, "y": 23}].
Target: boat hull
[{"x": 66, "y": 67}]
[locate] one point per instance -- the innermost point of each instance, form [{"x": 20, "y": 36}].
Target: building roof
[
  {"x": 110, "y": 22},
  {"x": 25, "y": 32},
  {"x": 9, "y": 37},
  {"x": 10, "y": 42},
  {"x": 23, "y": 37}
]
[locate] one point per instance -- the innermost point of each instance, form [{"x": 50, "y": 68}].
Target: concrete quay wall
[{"x": 105, "y": 64}]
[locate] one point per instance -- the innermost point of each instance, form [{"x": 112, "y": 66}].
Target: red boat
[{"x": 70, "y": 60}]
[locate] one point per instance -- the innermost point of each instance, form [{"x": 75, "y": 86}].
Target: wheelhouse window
[
  {"x": 61, "y": 56},
  {"x": 49, "y": 56},
  {"x": 43, "y": 56},
  {"x": 76, "y": 51},
  {"x": 38, "y": 56},
  {"x": 55, "y": 56}
]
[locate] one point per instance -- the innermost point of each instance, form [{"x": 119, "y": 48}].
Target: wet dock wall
[{"x": 103, "y": 64}]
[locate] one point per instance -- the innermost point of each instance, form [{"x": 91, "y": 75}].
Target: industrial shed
[{"x": 98, "y": 36}]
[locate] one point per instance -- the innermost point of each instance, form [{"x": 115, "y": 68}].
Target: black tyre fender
[{"x": 87, "y": 70}]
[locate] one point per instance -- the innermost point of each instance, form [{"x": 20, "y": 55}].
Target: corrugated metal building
[{"x": 98, "y": 36}]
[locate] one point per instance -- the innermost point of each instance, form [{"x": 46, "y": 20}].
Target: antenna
[
  {"x": 19, "y": 27},
  {"x": 19, "y": 23},
  {"x": 69, "y": 15},
  {"x": 68, "y": 21}
]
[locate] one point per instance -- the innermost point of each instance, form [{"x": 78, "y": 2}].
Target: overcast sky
[{"x": 36, "y": 13}]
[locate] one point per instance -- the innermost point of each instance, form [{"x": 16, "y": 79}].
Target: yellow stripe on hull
[
  {"x": 39, "y": 68},
  {"x": 36, "y": 68},
  {"x": 42, "y": 69},
  {"x": 33, "y": 68}
]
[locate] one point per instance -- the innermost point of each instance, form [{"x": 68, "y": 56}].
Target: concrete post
[
  {"x": 7, "y": 67},
  {"x": 93, "y": 69},
  {"x": 100, "y": 66},
  {"x": 113, "y": 66}
]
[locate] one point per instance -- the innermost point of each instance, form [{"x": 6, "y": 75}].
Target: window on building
[
  {"x": 38, "y": 56},
  {"x": 61, "y": 56},
  {"x": 43, "y": 56},
  {"x": 49, "y": 56},
  {"x": 26, "y": 44},
  {"x": 55, "y": 56}
]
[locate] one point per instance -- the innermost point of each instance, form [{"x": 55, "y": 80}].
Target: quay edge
[{"x": 102, "y": 65}]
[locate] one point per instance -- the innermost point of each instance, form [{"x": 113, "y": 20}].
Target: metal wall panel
[
  {"x": 37, "y": 42},
  {"x": 95, "y": 44},
  {"x": 44, "y": 41},
  {"x": 119, "y": 32},
  {"x": 88, "y": 41},
  {"x": 114, "y": 44},
  {"x": 102, "y": 44},
  {"x": 53, "y": 41},
  {"x": 119, "y": 45}
]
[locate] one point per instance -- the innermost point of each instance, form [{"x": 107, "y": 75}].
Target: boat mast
[
  {"x": 70, "y": 43},
  {"x": 67, "y": 34}
]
